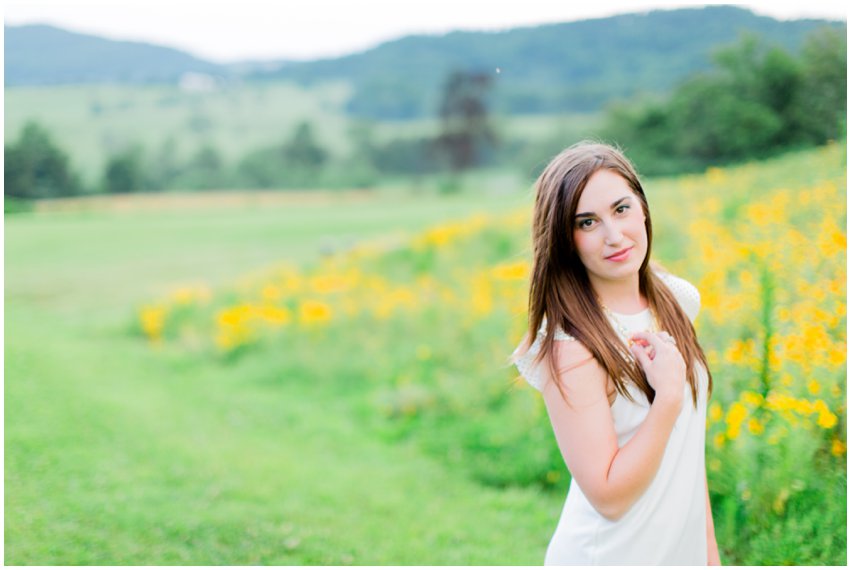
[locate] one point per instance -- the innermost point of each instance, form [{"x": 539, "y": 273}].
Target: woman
[{"x": 615, "y": 356}]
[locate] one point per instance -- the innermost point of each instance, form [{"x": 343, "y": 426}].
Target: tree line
[
  {"x": 756, "y": 101},
  {"x": 36, "y": 167}
]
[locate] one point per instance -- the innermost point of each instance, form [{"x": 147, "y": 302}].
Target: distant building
[{"x": 197, "y": 82}]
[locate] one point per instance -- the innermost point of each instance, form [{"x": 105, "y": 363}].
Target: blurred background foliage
[{"x": 714, "y": 99}]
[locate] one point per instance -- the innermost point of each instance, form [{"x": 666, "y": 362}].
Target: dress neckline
[{"x": 632, "y": 315}]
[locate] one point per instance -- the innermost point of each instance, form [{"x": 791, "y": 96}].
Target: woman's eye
[
  {"x": 585, "y": 224},
  {"x": 622, "y": 208}
]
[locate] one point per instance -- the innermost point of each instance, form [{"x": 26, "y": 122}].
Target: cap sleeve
[
  {"x": 686, "y": 294},
  {"x": 525, "y": 360}
]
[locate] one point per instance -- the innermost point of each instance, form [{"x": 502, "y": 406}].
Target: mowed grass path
[{"x": 118, "y": 453}]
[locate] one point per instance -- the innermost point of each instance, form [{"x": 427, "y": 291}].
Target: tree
[
  {"x": 205, "y": 170},
  {"x": 823, "y": 99},
  {"x": 295, "y": 163},
  {"x": 756, "y": 101},
  {"x": 466, "y": 132},
  {"x": 124, "y": 173},
  {"x": 36, "y": 168},
  {"x": 302, "y": 150}
]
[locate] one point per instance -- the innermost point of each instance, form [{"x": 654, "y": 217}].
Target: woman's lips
[{"x": 621, "y": 255}]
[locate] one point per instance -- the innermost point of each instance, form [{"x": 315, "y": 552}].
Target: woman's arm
[
  {"x": 612, "y": 478},
  {"x": 714, "y": 558}
]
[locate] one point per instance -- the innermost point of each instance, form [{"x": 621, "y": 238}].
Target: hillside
[
  {"x": 45, "y": 55},
  {"x": 575, "y": 66},
  {"x": 567, "y": 67}
]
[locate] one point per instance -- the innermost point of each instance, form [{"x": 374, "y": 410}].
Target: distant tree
[
  {"x": 715, "y": 124},
  {"x": 405, "y": 156},
  {"x": 466, "y": 131},
  {"x": 756, "y": 75},
  {"x": 205, "y": 170},
  {"x": 295, "y": 163},
  {"x": 164, "y": 168},
  {"x": 303, "y": 150},
  {"x": 756, "y": 101},
  {"x": 36, "y": 168},
  {"x": 822, "y": 105},
  {"x": 259, "y": 168},
  {"x": 124, "y": 172}
]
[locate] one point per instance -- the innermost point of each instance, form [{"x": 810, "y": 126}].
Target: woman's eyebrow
[{"x": 591, "y": 214}]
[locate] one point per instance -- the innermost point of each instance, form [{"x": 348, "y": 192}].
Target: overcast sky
[{"x": 232, "y": 30}]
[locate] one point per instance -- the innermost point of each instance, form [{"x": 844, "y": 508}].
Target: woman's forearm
[{"x": 635, "y": 464}]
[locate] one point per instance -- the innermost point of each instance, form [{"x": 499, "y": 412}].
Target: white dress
[{"x": 667, "y": 524}]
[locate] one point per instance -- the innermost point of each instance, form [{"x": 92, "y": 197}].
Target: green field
[
  {"x": 379, "y": 424},
  {"x": 116, "y": 454}
]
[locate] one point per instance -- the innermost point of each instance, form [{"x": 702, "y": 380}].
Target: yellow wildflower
[
  {"x": 271, "y": 293},
  {"x": 314, "y": 312},
  {"x": 152, "y": 318},
  {"x": 274, "y": 315},
  {"x": 752, "y": 398},
  {"x": 715, "y": 413},
  {"x": 836, "y": 354},
  {"x": 325, "y": 284},
  {"x": 511, "y": 271},
  {"x": 755, "y": 427},
  {"x": 837, "y": 447},
  {"x": 190, "y": 294},
  {"x": 827, "y": 420},
  {"x": 733, "y": 431},
  {"x": 715, "y": 175},
  {"x": 737, "y": 413},
  {"x": 814, "y": 387}
]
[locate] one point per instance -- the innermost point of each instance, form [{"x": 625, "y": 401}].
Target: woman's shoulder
[
  {"x": 524, "y": 356},
  {"x": 684, "y": 292}
]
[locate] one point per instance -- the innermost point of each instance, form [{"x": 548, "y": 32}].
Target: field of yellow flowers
[{"x": 417, "y": 335}]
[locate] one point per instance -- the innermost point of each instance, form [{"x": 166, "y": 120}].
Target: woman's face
[{"x": 608, "y": 228}]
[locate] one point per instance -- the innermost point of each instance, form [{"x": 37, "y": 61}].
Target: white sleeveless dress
[{"x": 667, "y": 524}]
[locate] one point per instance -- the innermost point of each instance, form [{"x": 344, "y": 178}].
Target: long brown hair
[{"x": 561, "y": 291}]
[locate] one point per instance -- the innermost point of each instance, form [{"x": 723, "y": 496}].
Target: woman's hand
[{"x": 658, "y": 356}]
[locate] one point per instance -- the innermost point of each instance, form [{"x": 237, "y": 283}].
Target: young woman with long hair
[{"x": 612, "y": 349}]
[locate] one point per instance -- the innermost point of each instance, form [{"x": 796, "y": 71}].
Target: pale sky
[{"x": 233, "y": 30}]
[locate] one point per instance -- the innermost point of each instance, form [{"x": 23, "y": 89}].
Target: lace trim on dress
[{"x": 686, "y": 294}]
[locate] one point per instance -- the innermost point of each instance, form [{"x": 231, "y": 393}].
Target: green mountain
[
  {"x": 575, "y": 66},
  {"x": 569, "y": 67},
  {"x": 45, "y": 55}
]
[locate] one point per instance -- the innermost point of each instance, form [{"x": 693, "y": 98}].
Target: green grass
[
  {"x": 120, "y": 454},
  {"x": 116, "y": 455},
  {"x": 78, "y": 262}
]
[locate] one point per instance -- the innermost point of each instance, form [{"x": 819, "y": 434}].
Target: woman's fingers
[
  {"x": 655, "y": 340},
  {"x": 640, "y": 354}
]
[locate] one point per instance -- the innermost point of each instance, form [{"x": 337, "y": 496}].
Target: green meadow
[
  {"x": 338, "y": 391},
  {"x": 120, "y": 454}
]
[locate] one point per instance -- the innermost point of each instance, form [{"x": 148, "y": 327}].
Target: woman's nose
[{"x": 614, "y": 235}]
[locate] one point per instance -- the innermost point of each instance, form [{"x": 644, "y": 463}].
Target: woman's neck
[{"x": 621, "y": 296}]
